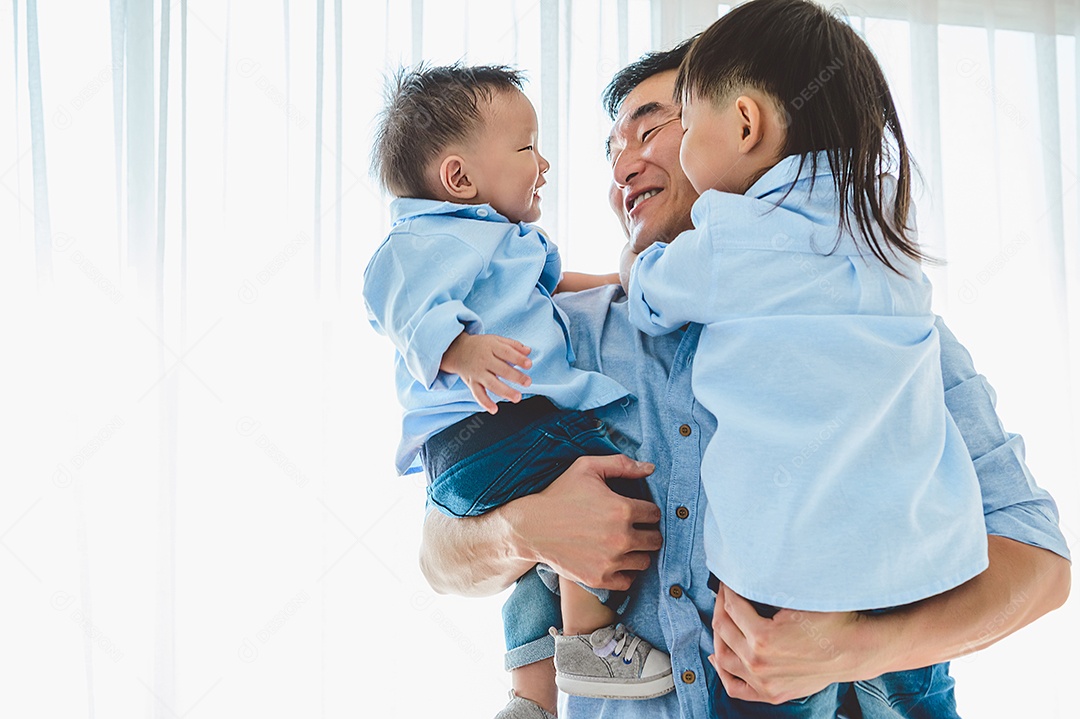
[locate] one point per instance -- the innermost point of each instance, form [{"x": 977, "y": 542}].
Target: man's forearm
[
  {"x": 471, "y": 556},
  {"x": 1021, "y": 584},
  {"x": 798, "y": 653},
  {"x": 578, "y": 525}
]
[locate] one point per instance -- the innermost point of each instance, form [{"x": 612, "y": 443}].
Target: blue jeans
[
  {"x": 485, "y": 461},
  {"x": 925, "y": 693}
]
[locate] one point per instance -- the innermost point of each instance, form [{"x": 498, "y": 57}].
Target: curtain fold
[{"x": 42, "y": 217}]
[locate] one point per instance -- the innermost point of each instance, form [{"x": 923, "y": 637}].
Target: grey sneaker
[
  {"x": 611, "y": 663},
  {"x": 522, "y": 708}
]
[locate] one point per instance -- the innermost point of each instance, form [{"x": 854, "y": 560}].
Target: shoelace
[{"x": 616, "y": 646}]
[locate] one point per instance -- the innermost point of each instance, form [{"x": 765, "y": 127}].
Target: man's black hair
[{"x": 642, "y": 69}]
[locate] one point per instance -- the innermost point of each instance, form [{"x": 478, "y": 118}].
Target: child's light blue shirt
[
  {"x": 836, "y": 479},
  {"x": 447, "y": 267}
]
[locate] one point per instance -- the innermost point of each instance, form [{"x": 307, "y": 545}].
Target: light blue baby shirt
[
  {"x": 446, "y": 267},
  {"x": 836, "y": 479}
]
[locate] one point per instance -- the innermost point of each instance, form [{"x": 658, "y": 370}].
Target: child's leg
[
  {"x": 925, "y": 693},
  {"x": 822, "y": 705},
  {"x": 536, "y": 682},
  {"x": 529, "y": 612},
  {"x": 582, "y": 611}
]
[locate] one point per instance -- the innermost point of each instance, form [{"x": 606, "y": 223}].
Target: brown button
[
  {"x": 682, "y": 512},
  {"x": 688, "y": 677},
  {"x": 685, "y": 430},
  {"x": 675, "y": 591}
]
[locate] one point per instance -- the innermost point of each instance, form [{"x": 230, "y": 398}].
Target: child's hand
[{"x": 483, "y": 361}]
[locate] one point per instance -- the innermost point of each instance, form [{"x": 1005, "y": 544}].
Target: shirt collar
[
  {"x": 786, "y": 172},
  {"x": 406, "y": 208}
]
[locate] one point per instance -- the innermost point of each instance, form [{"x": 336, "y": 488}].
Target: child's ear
[
  {"x": 750, "y": 119},
  {"x": 455, "y": 180}
]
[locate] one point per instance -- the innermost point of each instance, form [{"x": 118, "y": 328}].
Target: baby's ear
[{"x": 454, "y": 178}]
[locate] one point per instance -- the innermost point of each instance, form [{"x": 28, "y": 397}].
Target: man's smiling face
[{"x": 650, "y": 193}]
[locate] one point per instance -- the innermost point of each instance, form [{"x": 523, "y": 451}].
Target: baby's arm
[
  {"x": 415, "y": 288},
  {"x": 483, "y": 362},
  {"x": 553, "y": 279},
  {"x": 578, "y": 281}
]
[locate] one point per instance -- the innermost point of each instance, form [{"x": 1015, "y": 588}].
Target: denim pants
[
  {"x": 925, "y": 693},
  {"x": 485, "y": 461}
]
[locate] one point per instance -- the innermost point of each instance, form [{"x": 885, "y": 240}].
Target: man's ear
[
  {"x": 751, "y": 124},
  {"x": 455, "y": 180}
]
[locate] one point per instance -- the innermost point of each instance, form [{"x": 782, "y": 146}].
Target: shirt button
[
  {"x": 685, "y": 430},
  {"x": 481, "y": 212},
  {"x": 688, "y": 677},
  {"x": 675, "y": 591},
  {"x": 682, "y": 512}
]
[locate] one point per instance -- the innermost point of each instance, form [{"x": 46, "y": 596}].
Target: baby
[
  {"x": 836, "y": 479},
  {"x": 462, "y": 286}
]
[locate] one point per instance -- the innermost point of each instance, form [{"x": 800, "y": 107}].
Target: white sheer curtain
[{"x": 200, "y": 517}]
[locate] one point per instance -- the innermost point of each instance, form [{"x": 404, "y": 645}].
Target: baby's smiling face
[{"x": 503, "y": 161}]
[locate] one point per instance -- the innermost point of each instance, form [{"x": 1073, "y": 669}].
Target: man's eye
[
  {"x": 527, "y": 147},
  {"x": 645, "y": 135}
]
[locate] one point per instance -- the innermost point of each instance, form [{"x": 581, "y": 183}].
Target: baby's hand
[{"x": 483, "y": 361}]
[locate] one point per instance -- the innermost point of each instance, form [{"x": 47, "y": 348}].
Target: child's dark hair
[
  {"x": 834, "y": 98},
  {"x": 427, "y": 109}
]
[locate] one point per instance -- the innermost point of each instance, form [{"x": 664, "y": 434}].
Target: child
[
  {"x": 836, "y": 479},
  {"x": 462, "y": 285}
]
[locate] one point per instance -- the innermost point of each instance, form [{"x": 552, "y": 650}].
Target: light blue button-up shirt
[
  {"x": 446, "y": 267},
  {"x": 657, "y": 370},
  {"x": 836, "y": 480}
]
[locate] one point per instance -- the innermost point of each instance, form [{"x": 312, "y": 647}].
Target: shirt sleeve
[
  {"x": 671, "y": 285},
  {"x": 1013, "y": 504},
  {"x": 414, "y": 289}
]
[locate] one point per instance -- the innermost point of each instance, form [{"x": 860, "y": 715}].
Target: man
[{"x": 588, "y": 533}]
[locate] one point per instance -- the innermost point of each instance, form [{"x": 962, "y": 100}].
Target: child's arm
[
  {"x": 670, "y": 285},
  {"x": 483, "y": 362},
  {"x": 553, "y": 279},
  {"x": 578, "y": 281}
]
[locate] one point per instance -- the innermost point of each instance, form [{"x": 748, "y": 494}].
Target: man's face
[{"x": 650, "y": 194}]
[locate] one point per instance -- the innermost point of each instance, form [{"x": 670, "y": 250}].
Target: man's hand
[
  {"x": 577, "y": 525},
  {"x": 794, "y": 654},
  {"x": 483, "y": 362},
  {"x": 798, "y": 653},
  {"x": 583, "y": 529}
]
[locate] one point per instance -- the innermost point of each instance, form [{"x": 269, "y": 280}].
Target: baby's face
[{"x": 506, "y": 166}]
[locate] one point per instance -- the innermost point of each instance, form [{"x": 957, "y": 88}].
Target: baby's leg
[
  {"x": 597, "y": 656},
  {"x": 536, "y": 682},
  {"x": 529, "y": 612},
  {"x": 582, "y": 611}
]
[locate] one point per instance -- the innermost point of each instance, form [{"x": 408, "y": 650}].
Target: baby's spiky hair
[{"x": 427, "y": 109}]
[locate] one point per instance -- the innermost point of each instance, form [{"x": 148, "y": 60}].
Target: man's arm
[
  {"x": 577, "y": 525},
  {"x": 798, "y": 653}
]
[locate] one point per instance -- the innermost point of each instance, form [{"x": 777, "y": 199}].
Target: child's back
[{"x": 836, "y": 479}]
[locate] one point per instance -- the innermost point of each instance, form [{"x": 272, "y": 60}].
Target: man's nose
[{"x": 627, "y": 165}]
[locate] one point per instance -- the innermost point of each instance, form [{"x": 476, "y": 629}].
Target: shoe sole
[{"x": 595, "y": 689}]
